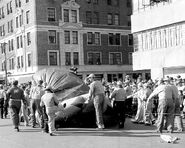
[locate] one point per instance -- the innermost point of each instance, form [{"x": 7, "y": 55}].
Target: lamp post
[{"x": 3, "y": 46}]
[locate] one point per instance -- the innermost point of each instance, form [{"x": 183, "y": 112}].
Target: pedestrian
[
  {"x": 36, "y": 93},
  {"x": 15, "y": 95},
  {"x": 119, "y": 96},
  {"x": 50, "y": 101},
  {"x": 2, "y": 100},
  {"x": 96, "y": 93},
  {"x": 166, "y": 105}
]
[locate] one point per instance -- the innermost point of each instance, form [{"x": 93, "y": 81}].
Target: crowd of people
[{"x": 160, "y": 102}]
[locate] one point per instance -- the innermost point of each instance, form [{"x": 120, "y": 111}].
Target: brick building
[{"x": 92, "y": 35}]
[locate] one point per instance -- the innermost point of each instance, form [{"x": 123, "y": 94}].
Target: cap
[{"x": 91, "y": 75}]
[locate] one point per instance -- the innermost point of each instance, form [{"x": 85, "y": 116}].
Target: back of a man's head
[{"x": 15, "y": 83}]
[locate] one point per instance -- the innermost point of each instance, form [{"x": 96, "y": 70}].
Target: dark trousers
[
  {"x": 5, "y": 108},
  {"x": 119, "y": 107},
  {"x": 45, "y": 120},
  {"x": 14, "y": 110},
  {"x": 2, "y": 107},
  {"x": 35, "y": 106}
]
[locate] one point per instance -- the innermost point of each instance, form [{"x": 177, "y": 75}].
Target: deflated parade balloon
[{"x": 72, "y": 94}]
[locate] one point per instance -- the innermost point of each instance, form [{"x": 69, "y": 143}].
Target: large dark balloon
[{"x": 72, "y": 93}]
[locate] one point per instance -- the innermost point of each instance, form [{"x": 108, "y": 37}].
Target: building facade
[
  {"x": 159, "y": 39},
  {"x": 37, "y": 34}
]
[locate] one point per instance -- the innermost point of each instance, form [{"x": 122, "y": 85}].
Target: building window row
[
  {"x": 71, "y": 55},
  {"x": 159, "y": 38},
  {"x": 70, "y": 37},
  {"x": 95, "y": 58}
]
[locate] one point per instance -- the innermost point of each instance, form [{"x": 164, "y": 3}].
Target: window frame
[
  {"x": 55, "y": 37},
  {"x": 57, "y": 55},
  {"x": 114, "y": 57},
  {"x": 53, "y": 19},
  {"x": 94, "y": 62}
]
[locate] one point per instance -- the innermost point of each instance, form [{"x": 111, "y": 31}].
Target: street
[{"x": 133, "y": 135}]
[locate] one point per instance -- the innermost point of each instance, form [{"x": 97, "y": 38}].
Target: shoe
[
  {"x": 53, "y": 134},
  {"x": 147, "y": 123},
  {"x": 16, "y": 129},
  {"x": 180, "y": 130},
  {"x": 33, "y": 126}
]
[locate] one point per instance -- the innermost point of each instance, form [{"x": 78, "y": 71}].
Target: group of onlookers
[{"x": 161, "y": 102}]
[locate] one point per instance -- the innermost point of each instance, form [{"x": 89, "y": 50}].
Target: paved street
[{"x": 133, "y": 136}]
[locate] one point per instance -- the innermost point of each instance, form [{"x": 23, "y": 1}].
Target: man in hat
[
  {"x": 15, "y": 95},
  {"x": 96, "y": 93},
  {"x": 119, "y": 96},
  {"x": 50, "y": 101},
  {"x": 166, "y": 105},
  {"x": 35, "y": 94}
]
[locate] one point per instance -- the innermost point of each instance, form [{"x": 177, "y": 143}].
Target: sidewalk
[{"x": 133, "y": 136}]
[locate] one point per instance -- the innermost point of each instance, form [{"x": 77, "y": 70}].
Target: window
[
  {"x": 117, "y": 39},
  {"x": 74, "y": 16},
  {"x": 18, "y": 42},
  {"x": 53, "y": 58},
  {"x": 97, "y": 38},
  {"x": 111, "y": 39},
  {"x": 116, "y": 2},
  {"x": 109, "y": 19},
  {"x": 18, "y": 62},
  {"x": 116, "y": 19},
  {"x": 11, "y": 64},
  {"x": 28, "y": 39},
  {"x": 130, "y": 58},
  {"x": 95, "y": 2},
  {"x": 75, "y": 58},
  {"x": 94, "y": 58},
  {"x": 20, "y": 20},
  {"x": 11, "y": 26},
  {"x": 66, "y": 15},
  {"x": 109, "y": 2},
  {"x": 17, "y": 22},
  {"x": 115, "y": 58},
  {"x": 130, "y": 40},
  {"x": 51, "y": 14},
  {"x": 29, "y": 59},
  {"x": 89, "y": 38},
  {"x": 27, "y": 17},
  {"x": 114, "y": 39},
  {"x": 128, "y": 3},
  {"x": 21, "y": 41},
  {"x": 96, "y": 18},
  {"x": 52, "y": 36},
  {"x": 88, "y": 17},
  {"x": 75, "y": 37},
  {"x": 12, "y": 46},
  {"x": 67, "y": 37},
  {"x": 9, "y": 45},
  {"x": 22, "y": 62},
  {"x": 68, "y": 58}
]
